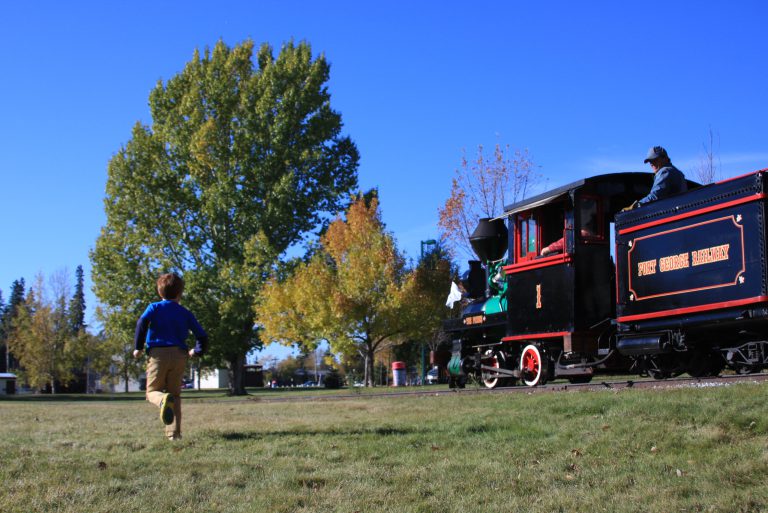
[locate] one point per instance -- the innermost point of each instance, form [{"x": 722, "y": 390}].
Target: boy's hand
[
  {"x": 192, "y": 353},
  {"x": 137, "y": 353}
]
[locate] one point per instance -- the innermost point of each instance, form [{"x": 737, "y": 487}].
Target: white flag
[{"x": 454, "y": 296}]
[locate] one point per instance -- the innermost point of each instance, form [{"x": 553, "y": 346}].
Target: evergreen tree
[
  {"x": 9, "y": 313},
  {"x": 3, "y": 346},
  {"x": 77, "y": 304}
]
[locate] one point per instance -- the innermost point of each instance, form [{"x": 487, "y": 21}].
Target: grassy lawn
[{"x": 692, "y": 449}]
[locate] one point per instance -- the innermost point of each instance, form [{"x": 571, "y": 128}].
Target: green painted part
[
  {"x": 494, "y": 305},
  {"x": 497, "y": 284},
  {"x": 454, "y": 366}
]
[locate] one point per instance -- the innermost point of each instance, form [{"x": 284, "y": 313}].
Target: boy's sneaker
[{"x": 166, "y": 409}]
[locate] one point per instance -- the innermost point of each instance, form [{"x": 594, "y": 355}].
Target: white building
[
  {"x": 209, "y": 379},
  {"x": 7, "y": 383}
]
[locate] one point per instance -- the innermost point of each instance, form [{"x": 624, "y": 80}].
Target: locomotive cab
[{"x": 561, "y": 279}]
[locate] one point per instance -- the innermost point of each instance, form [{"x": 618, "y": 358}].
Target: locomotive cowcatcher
[{"x": 678, "y": 285}]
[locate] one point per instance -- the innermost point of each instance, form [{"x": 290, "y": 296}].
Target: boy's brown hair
[{"x": 170, "y": 286}]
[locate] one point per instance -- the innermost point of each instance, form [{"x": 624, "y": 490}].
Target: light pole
[{"x": 425, "y": 243}]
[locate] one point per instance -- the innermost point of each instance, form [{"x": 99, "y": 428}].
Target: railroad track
[{"x": 595, "y": 385}]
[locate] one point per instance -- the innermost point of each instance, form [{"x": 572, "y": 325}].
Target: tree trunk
[
  {"x": 369, "y": 366},
  {"x": 236, "y": 386}
]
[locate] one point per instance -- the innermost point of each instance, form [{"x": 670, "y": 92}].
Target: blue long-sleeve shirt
[
  {"x": 167, "y": 324},
  {"x": 667, "y": 181}
]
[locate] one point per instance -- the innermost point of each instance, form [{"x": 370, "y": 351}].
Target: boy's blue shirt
[{"x": 167, "y": 324}]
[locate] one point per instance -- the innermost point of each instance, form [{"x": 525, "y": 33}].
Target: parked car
[{"x": 309, "y": 384}]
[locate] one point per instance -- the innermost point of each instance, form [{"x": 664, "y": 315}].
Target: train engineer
[{"x": 667, "y": 179}]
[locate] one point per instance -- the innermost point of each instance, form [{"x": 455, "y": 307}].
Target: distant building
[
  {"x": 219, "y": 378},
  {"x": 208, "y": 379},
  {"x": 7, "y": 383}
]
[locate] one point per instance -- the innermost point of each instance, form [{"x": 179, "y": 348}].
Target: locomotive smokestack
[{"x": 489, "y": 240}]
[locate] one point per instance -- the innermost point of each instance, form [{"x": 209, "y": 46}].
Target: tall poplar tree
[{"x": 243, "y": 152}]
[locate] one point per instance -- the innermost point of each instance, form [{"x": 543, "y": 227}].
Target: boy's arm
[
  {"x": 142, "y": 326},
  {"x": 201, "y": 337}
]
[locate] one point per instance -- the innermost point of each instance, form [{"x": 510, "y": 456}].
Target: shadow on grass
[
  {"x": 235, "y": 436},
  {"x": 216, "y": 394},
  {"x": 22, "y": 398}
]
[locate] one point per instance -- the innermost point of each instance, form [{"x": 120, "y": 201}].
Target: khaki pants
[{"x": 165, "y": 371}]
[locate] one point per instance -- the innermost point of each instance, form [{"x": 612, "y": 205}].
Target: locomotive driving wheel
[
  {"x": 494, "y": 359},
  {"x": 534, "y": 366}
]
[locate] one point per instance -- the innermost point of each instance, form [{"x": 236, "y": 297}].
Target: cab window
[
  {"x": 552, "y": 226},
  {"x": 528, "y": 232},
  {"x": 589, "y": 216}
]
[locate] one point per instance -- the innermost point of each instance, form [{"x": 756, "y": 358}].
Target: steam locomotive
[{"x": 677, "y": 286}]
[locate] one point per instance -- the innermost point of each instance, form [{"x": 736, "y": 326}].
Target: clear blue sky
[{"x": 587, "y": 87}]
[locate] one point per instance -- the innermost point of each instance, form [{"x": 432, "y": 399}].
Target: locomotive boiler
[{"x": 567, "y": 283}]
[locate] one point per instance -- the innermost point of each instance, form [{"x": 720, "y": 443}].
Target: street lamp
[{"x": 425, "y": 243}]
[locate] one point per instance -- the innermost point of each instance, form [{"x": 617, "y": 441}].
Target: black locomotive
[{"x": 678, "y": 285}]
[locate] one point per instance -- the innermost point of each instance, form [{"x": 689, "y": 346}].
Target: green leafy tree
[
  {"x": 244, "y": 157},
  {"x": 427, "y": 288},
  {"x": 40, "y": 339},
  {"x": 115, "y": 354},
  {"x": 349, "y": 293}
]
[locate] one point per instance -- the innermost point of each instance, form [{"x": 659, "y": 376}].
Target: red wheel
[
  {"x": 494, "y": 359},
  {"x": 534, "y": 367}
]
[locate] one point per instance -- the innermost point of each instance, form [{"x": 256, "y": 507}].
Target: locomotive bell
[{"x": 490, "y": 238}]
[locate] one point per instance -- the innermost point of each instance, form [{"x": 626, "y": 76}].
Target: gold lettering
[
  {"x": 646, "y": 268},
  {"x": 674, "y": 262},
  {"x": 538, "y": 296},
  {"x": 711, "y": 255}
]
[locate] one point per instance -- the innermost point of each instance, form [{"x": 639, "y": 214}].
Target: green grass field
[{"x": 692, "y": 449}]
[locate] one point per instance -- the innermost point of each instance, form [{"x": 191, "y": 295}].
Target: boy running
[{"x": 165, "y": 326}]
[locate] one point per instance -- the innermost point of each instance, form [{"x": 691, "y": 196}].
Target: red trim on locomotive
[
  {"x": 549, "y": 261},
  {"x": 745, "y": 174},
  {"x": 713, "y": 208},
  {"x": 535, "y": 336},
  {"x": 694, "y": 309}
]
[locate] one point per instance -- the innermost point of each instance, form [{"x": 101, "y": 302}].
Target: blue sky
[{"x": 586, "y": 87}]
